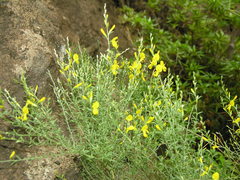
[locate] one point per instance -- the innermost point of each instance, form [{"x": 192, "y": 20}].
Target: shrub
[{"x": 120, "y": 118}]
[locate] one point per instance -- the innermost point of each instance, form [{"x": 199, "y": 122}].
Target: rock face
[{"x": 30, "y": 30}]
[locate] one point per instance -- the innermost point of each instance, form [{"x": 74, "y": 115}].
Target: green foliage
[{"x": 195, "y": 36}]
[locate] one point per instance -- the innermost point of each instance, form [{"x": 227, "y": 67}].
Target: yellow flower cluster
[
  {"x": 231, "y": 104},
  {"x": 115, "y": 67},
  {"x": 73, "y": 58},
  {"x": 25, "y": 109},
  {"x": 136, "y": 66},
  {"x": 95, "y": 108},
  {"x": 159, "y": 67},
  {"x": 138, "y": 121},
  {"x": 207, "y": 169}
]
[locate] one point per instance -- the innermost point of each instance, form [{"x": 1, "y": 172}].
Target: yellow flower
[
  {"x": 142, "y": 76},
  {"x": 231, "y": 104},
  {"x": 1, "y": 106},
  {"x": 114, "y": 42},
  {"x": 25, "y": 112},
  {"x": 131, "y": 76},
  {"x": 145, "y": 131},
  {"x": 42, "y": 100},
  {"x": 215, "y": 176},
  {"x": 69, "y": 80},
  {"x": 139, "y": 111},
  {"x": 236, "y": 120},
  {"x": 78, "y": 85},
  {"x": 215, "y": 146},
  {"x": 136, "y": 66},
  {"x": 117, "y": 55},
  {"x": 155, "y": 59},
  {"x": 129, "y": 117},
  {"x": 115, "y": 67},
  {"x": 30, "y": 103},
  {"x": 66, "y": 68},
  {"x": 130, "y": 128},
  {"x": 95, "y": 111},
  {"x": 157, "y": 103},
  {"x": 238, "y": 131},
  {"x": 113, "y": 27},
  {"x": 207, "y": 169},
  {"x": 103, "y": 32},
  {"x": 76, "y": 58},
  {"x": 205, "y": 139},
  {"x": 200, "y": 160},
  {"x": 160, "y": 68},
  {"x": 84, "y": 97},
  {"x": 12, "y": 155},
  {"x": 158, "y": 127},
  {"x": 135, "y": 106},
  {"x": 95, "y": 105},
  {"x": 142, "y": 56},
  {"x": 150, "y": 119}
]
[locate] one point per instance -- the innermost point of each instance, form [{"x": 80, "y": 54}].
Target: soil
[{"x": 30, "y": 30}]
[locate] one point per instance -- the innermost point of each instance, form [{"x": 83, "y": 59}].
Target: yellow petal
[
  {"x": 145, "y": 131},
  {"x": 238, "y": 131},
  {"x": 113, "y": 27},
  {"x": 42, "y": 99},
  {"x": 25, "y": 110},
  {"x": 95, "y": 111},
  {"x": 76, "y": 58},
  {"x": 236, "y": 120},
  {"x": 142, "y": 56},
  {"x": 66, "y": 68},
  {"x": 158, "y": 127},
  {"x": 205, "y": 139},
  {"x": 84, "y": 97},
  {"x": 30, "y": 103},
  {"x": 95, "y": 105},
  {"x": 12, "y": 155},
  {"x": 139, "y": 111},
  {"x": 156, "y": 57},
  {"x": 129, "y": 118},
  {"x": 103, "y": 32},
  {"x": 215, "y": 176},
  {"x": 130, "y": 128},
  {"x": 203, "y": 173},
  {"x": 115, "y": 42},
  {"x": 78, "y": 85},
  {"x": 200, "y": 160},
  {"x": 142, "y": 76},
  {"x": 150, "y": 119},
  {"x": 215, "y": 146}
]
